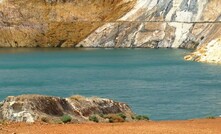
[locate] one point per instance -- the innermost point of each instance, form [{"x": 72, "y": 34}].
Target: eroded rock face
[
  {"x": 30, "y": 108},
  {"x": 210, "y": 53},
  {"x": 162, "y": 23},
  {"x": 55, "y": 23},
  {"x": 107, "y": 23}
]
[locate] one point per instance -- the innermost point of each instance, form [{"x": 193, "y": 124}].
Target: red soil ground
[{"x": 199, "y": 126}]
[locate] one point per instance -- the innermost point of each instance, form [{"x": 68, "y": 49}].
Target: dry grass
[{"x": 77, "y": 97}]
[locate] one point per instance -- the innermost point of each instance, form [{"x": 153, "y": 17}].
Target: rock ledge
[{"x": 31, "y": 108}]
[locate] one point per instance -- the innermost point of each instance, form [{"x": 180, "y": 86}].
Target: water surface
[{"x": 154, "y": 82}]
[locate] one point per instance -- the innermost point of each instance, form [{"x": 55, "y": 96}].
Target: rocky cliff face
[
  {"x": 160, "y": 23},
  {"x": 209, "y": 53},
  {"x": 30, "y": 108},
  {"x": 55, "y": 23},
  {"x": 109, "y": 23}
]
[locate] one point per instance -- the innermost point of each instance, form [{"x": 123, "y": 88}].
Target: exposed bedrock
[
  {"x": 31, "y": 108},
  {"x": 107, "y": 23},
  {"x": 209, "y": 53},
  {"x": 162, "y": 23},
  {"x": 55, "y": 23}
]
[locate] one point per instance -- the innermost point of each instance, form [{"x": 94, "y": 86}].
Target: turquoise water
[{"x": 154, "y": 82}]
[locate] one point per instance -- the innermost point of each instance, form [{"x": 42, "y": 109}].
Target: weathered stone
[
  {"x": 30, "y": 108},
  {"x": 109, "y": 23},
  {"x": 177, "y": 17},
  {"x": 211, "y": 53},
  {"x": 55, "y": 23}
]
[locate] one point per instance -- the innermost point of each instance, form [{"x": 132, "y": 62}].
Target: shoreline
[{"x": 194, "y": 126}]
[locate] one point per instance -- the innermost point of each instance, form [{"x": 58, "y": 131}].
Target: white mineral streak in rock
[
  {"x": 18, "y": 116},
  {"x": 140, "y": 7},
  {"x": 201, "y": 5},
  {"x": 99, "y": 37},
  {"x": 182, "y": 31},
  {"x": 178, "y": 14},
  {"x": 147, "y": 37},
  {"x": 102, "y": 36},
  {"x": 22, "y": 117},
  {"x": 183, "y": 16},
  {"x": 105, "y": 35},
  {"x": 176, "y": 4},
  {"x": 75, "y": 108},
  {"x": 30, "y": 108}
]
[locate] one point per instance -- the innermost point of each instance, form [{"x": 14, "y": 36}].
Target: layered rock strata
[
  {"x": 162, "y": 23},
  {"x": 55, "y": 23},
  {"x": 109, "y": 23},
  {"x": 31, "y": 108}
]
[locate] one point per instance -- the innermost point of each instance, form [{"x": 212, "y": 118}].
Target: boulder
[{"x": 31, "y": 108}]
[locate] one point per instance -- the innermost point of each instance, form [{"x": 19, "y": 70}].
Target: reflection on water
[{"x": 30, "y": 50}]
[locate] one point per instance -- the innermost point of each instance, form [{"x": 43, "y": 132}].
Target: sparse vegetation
[
  {"x": 77, "y": 97},
  {"x": 132, "y": 117},
  {"x": 122, "y": 116},
  {"x": 3, "y": 122},
  {"x": 94, "y": 118},
  {"x": 111, "y": 120},
  {"x": 211, "y": 117},
  {"x": 1, "y": 104},
  {"x": 66, "y": 118},
  {"x": 114, "y": 118},
  {"x": 45, "y": 119},
  {"x": 57, "y": 121},
  {"x": 101, "y": 115},
  {"x": 141, "y": 117}
]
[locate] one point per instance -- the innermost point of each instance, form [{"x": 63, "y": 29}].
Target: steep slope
[
  {"x": 145, "y": 23},
  {"x": 162, "y": 23},
  {"x": 210, "y": 53},
  {"x": 55, "y": 23},
  {"x": 110, "y": 23}
]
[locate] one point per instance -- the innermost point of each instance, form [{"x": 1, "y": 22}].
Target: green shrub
[
  {"x": 1, "y": 104},
  {"x": 141, "y": 117},
  {"x": 211, "y": 117},
  {"x": 93, "y": 118},
  {"x": 66, "y": 118},
  {"x": 101, "y": 115},
  {"x": 122, "y": 116}
]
